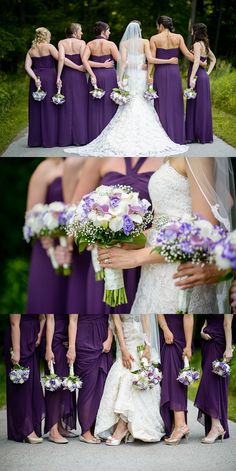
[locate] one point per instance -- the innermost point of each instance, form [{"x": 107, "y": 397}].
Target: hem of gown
[{"x": 104, "y": 153}]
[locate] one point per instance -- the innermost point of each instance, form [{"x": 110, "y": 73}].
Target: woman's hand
[
  {"x": 115, "y": 257},
  {"x": 144, "y": 67},
  {"x": 71, "y": 356},
  {"x": 81, "y": 68},
  {"x": 46, "y": 242},
  {"x": 147, "y": 352},
  {"x": 38, "y": 82},
  {"x": 59, "y": 83},
  {"x": 39, "y": 338},
  {"x": 204, "y": 335},
  {"x": 197, "y": 275},
  {"x": 93, "y": 80},
  {"x": 228, "y": 354},
  {"x": 168, "y": 336},
  {"x": 15, "y": 357},
  {"x": 187, "y": 352},
  {"x": 127, "y": 359},
  {"x": 108, "y": 64},
  {"x": 192, "y": 82},
  {"x": 63, "y": 255},
  {"x": 49, "y": 357},
  {"x": 173, "y": 60},
  {"x": 106, "y": 345}
]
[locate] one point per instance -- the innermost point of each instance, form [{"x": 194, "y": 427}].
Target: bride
[
  {"x": 125, "y": 412},
  {"x": 135, "y": 130}
]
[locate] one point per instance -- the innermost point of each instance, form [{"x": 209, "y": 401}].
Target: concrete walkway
[
  {"x": 18, "y": 148},
  {"x": 77, "y": 456}
]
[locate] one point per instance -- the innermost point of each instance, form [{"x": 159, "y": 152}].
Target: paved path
[
  {"x": 77, "y": 456},
  {"x": 18, "y": 148}
]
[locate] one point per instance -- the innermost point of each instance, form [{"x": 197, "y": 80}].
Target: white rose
[
  {"x": 221, "y": 262},
  {"x": 39, "y": 207},
  {"x": 206, "y": 227},
  {"x": 56, "y": 206},
  {"x": 116, "y": 224},
  {"x": 50, "y": 221},
  {"x": 136, "y": 218}
]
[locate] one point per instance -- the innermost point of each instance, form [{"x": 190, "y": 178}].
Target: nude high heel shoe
[
  {"x": 33, "y": 440},
  {"x": 220, "y": 432},
  {"x": 183, "y": 433},
  {"x": 117, "y": 441}
]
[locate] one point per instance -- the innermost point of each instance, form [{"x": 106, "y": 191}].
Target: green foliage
[
  {"x": 223, "y": 86},
  {"x": 15, "y": 275}
]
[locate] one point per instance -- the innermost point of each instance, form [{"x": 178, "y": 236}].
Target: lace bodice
[{"x": 169, "y": 192}]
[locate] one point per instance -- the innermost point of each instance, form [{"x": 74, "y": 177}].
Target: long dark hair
[
  {"x": 165, "y": 21},
  {"x": 200, "y": 34},
  {"x": 99, "y": 27}
]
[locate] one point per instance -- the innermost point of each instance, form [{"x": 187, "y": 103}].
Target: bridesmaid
[
  {"x": 23, "y": 337},
  {"x": 176, "y": 332},
  {"x": 73, "y": 114},
  {"x": 167, "y": 78},
  {"x": 90, "y": 350},
  {"x": 98, "y": 59},
  {"x": 132, "y": 171},
  {"x": 60, "y": 404},
  {"x": 40, "y": 66},
  {"x": 212, "y": 395},
  {"x": 198, "y": 110},
  {"x": 47, "y": 291}
]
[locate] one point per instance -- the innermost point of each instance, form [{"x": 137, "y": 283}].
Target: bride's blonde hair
[{"x": 42, "y": 35}]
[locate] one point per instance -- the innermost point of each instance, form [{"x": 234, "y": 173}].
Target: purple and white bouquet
[
  {"x": 150, "y": 94},
  {"x": 51, "y": 382},
  {"x": 224, "y": 255},
  {"x": 97, "y": 92},
  {"x": 72, "y": 382},
  {"x": 187, "y": 239},
  {"x": 148, "y": 374},
  {"x": 19, "y": 374},
  {"x": 39, "y": 94},
  {"x": 188, "y": 375},
  {"x": 108, "y": 216},
  {"x": 120, "y": 96},
  {"x": 190, "y": 93},
  {"x": 58, "y": 98},
  {"x": 221, "y": 368}
]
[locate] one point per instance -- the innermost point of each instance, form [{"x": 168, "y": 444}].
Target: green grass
[
  {"x": 192, "y": 390},
  {"x": 224, "y": 125},
  {"x": 14, "y": 116}
]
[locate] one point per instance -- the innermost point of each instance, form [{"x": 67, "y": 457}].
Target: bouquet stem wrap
[
  {"x": 51, "y": 253},
  {"x": 71, "y": 370},
  {"x": 99, "y": 272},
  {"x": 184, "y": 298},
  {"x": 66, "y": 268},
  {"x": 114, "y": 293},
  {"x": 51, "y": 368}
]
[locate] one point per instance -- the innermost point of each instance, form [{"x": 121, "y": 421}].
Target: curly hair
[{"x": 42, "y": 35}]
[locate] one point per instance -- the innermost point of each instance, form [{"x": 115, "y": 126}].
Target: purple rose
[{"x": 128, "y": 224}]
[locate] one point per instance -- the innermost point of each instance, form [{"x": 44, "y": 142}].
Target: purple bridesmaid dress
[
  {"x": 169, "y": 106},
  {"x": 47, "y": 291},
  {"x": 173, "y": 393},
  {"x": 101, "y": 111},
  {"x": 95, "y": 289},
  {"x": 77, "y": 282},
  {"x": 92, "y": 365},
  {"x": 73, "y": 114},
  {"x": 43, "y": 115},
  {"x": 212, "y": 394},
  {"x": 25, "y": 402},
  {"x": 198, "y": 124},
  {"x": 60, "y": 404}
]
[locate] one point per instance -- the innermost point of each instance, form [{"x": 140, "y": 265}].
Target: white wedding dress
[
  {"x": 135, "y": 130},
  {"x": 140, "y": 409},
  {"x": 157, "y": 293}
]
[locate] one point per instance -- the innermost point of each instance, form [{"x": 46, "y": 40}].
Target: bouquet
[
  {"x": 190, "y": 93},
  {"x": 97, "y": 92},
  {"x": 39, "y": 95},
  {"x": 58, "y": 98},
  {"x": 150, "y": 94},
  {"x": 188, "y": 375},
  {"x": 221, "y": 368},
  {"x": 148, "y": 375},
  {"x": 72, "y": 382},
  {"x": 120, "y": 96},
  {"x": 51, "y": 382},
  {"x": 99, "y": 272},
  {"x": 187, "y": 239},
  {"x": 19, "y": 374},
  {"x": 108, "y": 216},
  {"x": 34, "y": 222},
  {"x": 224, "y": 255}
]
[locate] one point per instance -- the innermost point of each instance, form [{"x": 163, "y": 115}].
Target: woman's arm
[
  {"x": 30, "y": 72},
  {"x": 71, "y": 176},
  {"x": 108, "y": 342},
  {"x": 188, "y": 322},
  {"x": 50, "y": 328},
  {"x": 126, "y": 356},
  {"x": 61, "y": 61},
  {"x": 228, "y": 336},
  {"x": 190, "y": 274},
  {"x": 150, "y": 50},
  {"x": 168, "y": 335},
  {"x": 212, "y": 59},
  {"x": 122, "y": 63},
  {"x": 42, "y": 321},
  {"x": 72, "y": 332},
  {"x": 15, "y": 337},
  {"x": 85, "y": 60},
  {"x": 37, "y": 187},
  {"x": 89, "y": 179},
  {"x": 196, "y": 62}
]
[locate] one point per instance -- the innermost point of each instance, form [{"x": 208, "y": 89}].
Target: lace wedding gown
[
  {"x": 140, "y": 409},
  {"x": 135, "y": 130},
  {"x": 157, "y": 293}
]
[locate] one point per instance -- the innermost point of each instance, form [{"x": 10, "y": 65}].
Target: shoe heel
[
  {"x": 186, "y": 436},
  {"x": 222, "y": 436}
]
